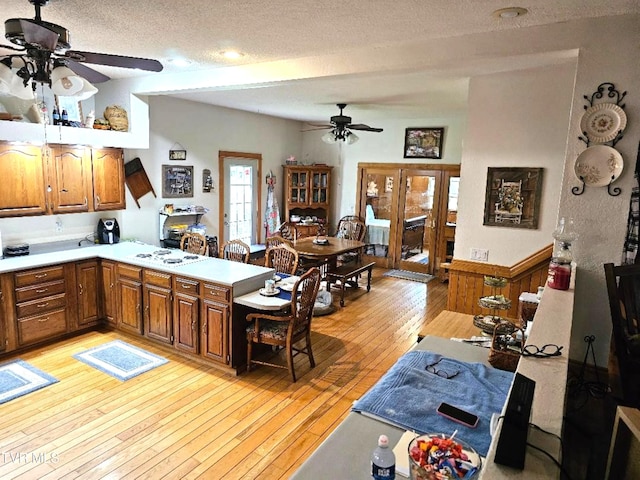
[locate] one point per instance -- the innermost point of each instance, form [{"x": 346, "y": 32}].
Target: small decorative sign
[{"x": 177, "y": 154}]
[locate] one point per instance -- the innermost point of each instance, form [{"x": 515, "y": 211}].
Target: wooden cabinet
[
  {"x": 3, "y": 315},
  {"x": 186, "y": 314},
  {"x": 216, "y": 316},
  {"x": 60, "y": 179},
  {"x": 108, "y": 179},
  {"x": 157, "y": 300},
  {"x": 129, "y": 287},
  {"x": 22, "y": 170},
  {"x": 69, "y": 179},
  {"x": 108, "y": 292},
  {"x": 88, "y": 278},
  {"x": 41, "y": 304},
  {"x": 308, "y": 191}
]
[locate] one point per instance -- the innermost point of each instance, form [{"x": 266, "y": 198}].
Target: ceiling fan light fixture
[
  {"x": 87, "y": 91},
  {"x": 6, "y": 75},
  {"x": 351, "y": 138},
  {"x": 330, "y": 137},
  {"x": 65, "y": 82}
]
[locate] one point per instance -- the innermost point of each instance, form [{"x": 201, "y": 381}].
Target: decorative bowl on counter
[{"x": 436, "y": 456}]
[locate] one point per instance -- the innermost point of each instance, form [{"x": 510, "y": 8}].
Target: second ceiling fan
[{"x": 340, "y": 128}]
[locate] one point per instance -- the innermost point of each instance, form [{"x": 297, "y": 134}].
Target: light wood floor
[{"x": 185, "y": 420}]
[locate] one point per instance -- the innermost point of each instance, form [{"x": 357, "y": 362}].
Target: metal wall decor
[{"x": 602, "y": 126}]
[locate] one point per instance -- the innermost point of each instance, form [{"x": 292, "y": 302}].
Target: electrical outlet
[
  {"x": 479, "y": 254},
  {"x": 58, "y": 225}
]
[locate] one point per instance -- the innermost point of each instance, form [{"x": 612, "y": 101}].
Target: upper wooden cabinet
[
  {"x": 108, "y": 179},
  {"x": 60, "y": 179},
  {"x": 22, "y": 170},
  {"x": 69, "y": 179},
  {"x": 307, "y": 191}
]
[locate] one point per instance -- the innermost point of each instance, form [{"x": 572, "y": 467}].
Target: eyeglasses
[
  {"x": 439, "y": 372},
  {"x": 548, "y": 350}
]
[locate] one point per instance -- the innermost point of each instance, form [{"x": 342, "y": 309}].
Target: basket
[
  {"x": 117, "y": 118},
  {"x": 503, "y": 354}
]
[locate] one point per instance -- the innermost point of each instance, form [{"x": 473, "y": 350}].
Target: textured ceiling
[{"x": 295, "y": 30}]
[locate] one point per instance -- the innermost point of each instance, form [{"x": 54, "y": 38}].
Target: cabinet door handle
[
  {"x": 80, "y": 287},
  {"x": 42, "y": 290},
  {"x": 193, "y": 325},
  {"x": 186, "y": 287},
  {"x": 85, "y": 201},
  {"x": 42, "y": 320},
  {"x": 97, "y": 200},
  {"x": 41, "y": 275},
  {"x": 42, "y": 305}
]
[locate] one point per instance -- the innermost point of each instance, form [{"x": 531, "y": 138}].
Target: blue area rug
[
  {"x": 120, "y": 360},
  {"x": 18, "y": 378}
]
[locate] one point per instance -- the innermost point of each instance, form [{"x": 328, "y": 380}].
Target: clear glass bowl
[{"x": 451, "y": 459}]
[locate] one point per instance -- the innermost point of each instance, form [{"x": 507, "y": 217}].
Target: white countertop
[{"x": 242, "y": 277}]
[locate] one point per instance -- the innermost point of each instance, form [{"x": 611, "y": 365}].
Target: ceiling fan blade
[
  {"x": 89, "y": 74},
  {"x": 320, "y": 125},
  {"x": 363, "y": 127},
  {"x": 36, "y": 34},
  {"x": 317, "y": 127},
  {"x": 115, "y": 60}
]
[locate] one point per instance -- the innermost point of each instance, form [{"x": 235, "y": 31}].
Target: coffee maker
[{"x": 108, "y": 231}]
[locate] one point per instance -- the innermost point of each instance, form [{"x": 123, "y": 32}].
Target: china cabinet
[{"x": 308, "y": 192}]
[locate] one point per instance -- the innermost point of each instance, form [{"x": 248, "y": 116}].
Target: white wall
[
  {"x": 203, "y": 130},
  {"x": 516, "y": 119},
  {"x": 384, "y": 147}
]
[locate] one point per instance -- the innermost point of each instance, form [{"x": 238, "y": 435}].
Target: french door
[
  {"x": 405, "y": 208},
  {"x": 240, "y": 195}
]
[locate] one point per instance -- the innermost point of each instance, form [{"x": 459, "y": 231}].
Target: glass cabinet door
[
  {"x": 320, "y": 188},
  {"x": 298, "y": 187}
]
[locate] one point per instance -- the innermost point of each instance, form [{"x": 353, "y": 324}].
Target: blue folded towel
[{"x": 408, "y": 396}]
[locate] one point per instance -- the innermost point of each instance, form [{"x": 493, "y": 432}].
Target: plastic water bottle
[{"x": 383, "y": 461}]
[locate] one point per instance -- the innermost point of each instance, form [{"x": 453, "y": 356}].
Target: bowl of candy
[{"x": 436, "y": 456}]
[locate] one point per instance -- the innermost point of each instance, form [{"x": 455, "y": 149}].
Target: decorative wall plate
[
  {"x": 602, "y": 122},
  {"x": 599, "y": 165}
]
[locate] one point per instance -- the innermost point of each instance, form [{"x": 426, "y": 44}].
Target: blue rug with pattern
[
  {"x": 120, "y": 360},
  {"x": 18, "y": 378}
]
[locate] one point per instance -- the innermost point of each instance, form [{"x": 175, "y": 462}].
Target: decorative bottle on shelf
[
  {"x": 560, "y": 267},
  {"x": 56, "y": 116},
  {"x": 383, "y": 461},
  {"x": 65, "y": 118}
]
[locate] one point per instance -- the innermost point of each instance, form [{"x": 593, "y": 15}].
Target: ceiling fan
[
  {"x": 44, "y": 57},
  {"x": 341, "y": 128}
]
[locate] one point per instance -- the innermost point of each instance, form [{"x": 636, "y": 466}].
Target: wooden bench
[{"x": 347, "y": 272}]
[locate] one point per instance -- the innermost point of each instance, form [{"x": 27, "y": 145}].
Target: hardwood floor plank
[{"x": 185, "y": 420}]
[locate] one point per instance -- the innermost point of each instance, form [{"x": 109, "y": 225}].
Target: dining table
[
  {"x": 280, "y": 300},
  {"x": 326, "y": 253}
]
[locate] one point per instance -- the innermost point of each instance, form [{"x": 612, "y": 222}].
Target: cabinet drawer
[
  {"x": 187, "y": 285},
  {"x": 129, "y": 271},
  {"x": 160, "y": 279},
  {"x": 217, "y": 292},
  {"x": 39, "y": 275},
  {"x": 44, "y": 305},
  {"x": 39, "y": 291},
  {"x": 41, "y": 327}
]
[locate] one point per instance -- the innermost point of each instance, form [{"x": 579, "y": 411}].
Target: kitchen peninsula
[{"x": 127, "y": 286}]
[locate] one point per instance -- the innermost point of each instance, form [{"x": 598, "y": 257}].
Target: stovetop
[{"x": 167, "y": 257}]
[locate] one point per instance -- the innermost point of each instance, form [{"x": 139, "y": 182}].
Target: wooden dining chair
[
  {"x": 282, "y": 258},
  {"x": 236, "y": 251},
  {"x": 623, "y": 288},
  {"x": 287, "y": 331},
  {"x": 192, "y": 242},
  {"x": 276, "y": 240},
  {"x": 351, "y": 227}
]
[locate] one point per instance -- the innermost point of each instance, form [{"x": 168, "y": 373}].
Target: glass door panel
[
  {"x": 419, "y": 200},
  {"x": 379, "y": 206}
]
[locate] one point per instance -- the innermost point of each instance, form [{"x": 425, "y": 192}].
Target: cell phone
[{"x": 457, "y": 415}]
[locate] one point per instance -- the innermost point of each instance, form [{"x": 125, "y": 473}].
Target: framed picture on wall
[
  {"x": 177, "y": 182},
  {"x": 512, "y": 198},
  {"x": 423, "y": 142}
]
